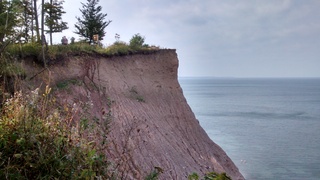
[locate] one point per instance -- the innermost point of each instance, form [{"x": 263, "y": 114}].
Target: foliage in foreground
[
  {"x": 210, "y": 176},
  {"x": 37, "y": 143}
]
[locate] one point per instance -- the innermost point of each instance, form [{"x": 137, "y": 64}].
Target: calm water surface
[{"x": 269, "y": 127}]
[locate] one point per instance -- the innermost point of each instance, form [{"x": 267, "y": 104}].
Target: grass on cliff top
[{"x": 53, "y": 52}]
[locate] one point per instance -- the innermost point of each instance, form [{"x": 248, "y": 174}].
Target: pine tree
[
  {"x": 92, "y": 21},
  {"x": 53, "y": 19},
  {"x": 8, "y": 18}
]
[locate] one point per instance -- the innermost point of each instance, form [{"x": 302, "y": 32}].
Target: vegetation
[
  {"x": 11, "y": 69},
  {"x": 20, "y": 17},
  {"x": 39, "y": 142},
  {"x": 9, "y": 14},
  {"x": 92, "y": 21},
  {"x": 66, "y": 83},
  {"x": 154, "y": 174},
  {"x": 210, "y": 176},
  {"x": 55, "y": 52},
  {"x": 137, "y": 41},
  {"x": 20, "y": 36},
  {"x": 135, "y": 95}
]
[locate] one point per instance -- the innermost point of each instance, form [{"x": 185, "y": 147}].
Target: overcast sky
[{"x": 221, "y": 38}]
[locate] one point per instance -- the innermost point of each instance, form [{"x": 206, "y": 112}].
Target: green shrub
[
  {"x": 210, "y": 176},
  {"x": 135, "y": 95},
  {"x": 28, "y": 49},
  {"x": 140, "y": 99},
  {"x": 31, "y": 49},
  {"x": 193, "y": 176},
  {"x": 136, "y": 41},
  {"x": 37, "y": 142},
  {"x": 65, "y": 83},
  {"x": 10, "y": 69},
  {"x": 154, "y": 174}
]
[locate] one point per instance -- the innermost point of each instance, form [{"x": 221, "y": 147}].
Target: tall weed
[{"x": 38, "y": 142}]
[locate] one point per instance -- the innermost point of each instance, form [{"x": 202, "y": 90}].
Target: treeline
[
  {"x": 20, "y": 20},
  {"x": 29, "y": 20}
]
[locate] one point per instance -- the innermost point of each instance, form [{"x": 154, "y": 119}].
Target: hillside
[{"x": 139, "y": 98}]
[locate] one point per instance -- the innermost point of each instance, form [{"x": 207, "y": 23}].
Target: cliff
[{"x": 151, "y": 124}]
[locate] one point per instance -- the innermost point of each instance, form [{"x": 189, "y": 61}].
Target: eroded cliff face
[{"x": 151, "y": 124}]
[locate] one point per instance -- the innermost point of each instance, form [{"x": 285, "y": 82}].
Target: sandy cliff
[{"x": 151, "y": 123}]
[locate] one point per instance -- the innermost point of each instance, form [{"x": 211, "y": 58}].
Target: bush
[
  {"x": 154, "y": 175},
  {"x": 28, "y": 49},
  {"x": 10, "y": 69},
  {"x": 210, "y": 176},
  {"x": 38, "y": 143},
  {"x": 136, "y": 41}
]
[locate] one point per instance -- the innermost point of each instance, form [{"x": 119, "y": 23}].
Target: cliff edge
[{"x": 151, "y": 124}]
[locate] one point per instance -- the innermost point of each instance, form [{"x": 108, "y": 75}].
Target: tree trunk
[
  {"x": 1, "y": 34},
  {"x": 50, "y": 26},
  {"x": 36, "y": 18},
  {"x": 43, "y": 39},
  {"x": 26, "y": 22},
  {"x": 32, "y": 28}
]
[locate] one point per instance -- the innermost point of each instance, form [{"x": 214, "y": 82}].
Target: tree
[
  {"x": 27, "y": 18},
  {"x": 35, "y": 13},
  {"x": 92, "y": 21},
  {"x": 53, "y": 19},
  {"x": 8, "y": 18},
  {"x": 136, "y": 41}
]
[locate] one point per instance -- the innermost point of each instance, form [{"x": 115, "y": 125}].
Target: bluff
[{"x": 150, "y": 123}]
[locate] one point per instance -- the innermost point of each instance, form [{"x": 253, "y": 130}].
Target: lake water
[{"x": 270, "y": 128}]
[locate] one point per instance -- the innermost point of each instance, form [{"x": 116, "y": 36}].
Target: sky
[{"x": 220, "y": 38}]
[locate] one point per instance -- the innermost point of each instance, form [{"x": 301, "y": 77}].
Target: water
[{"x": 270, "y": 128}]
